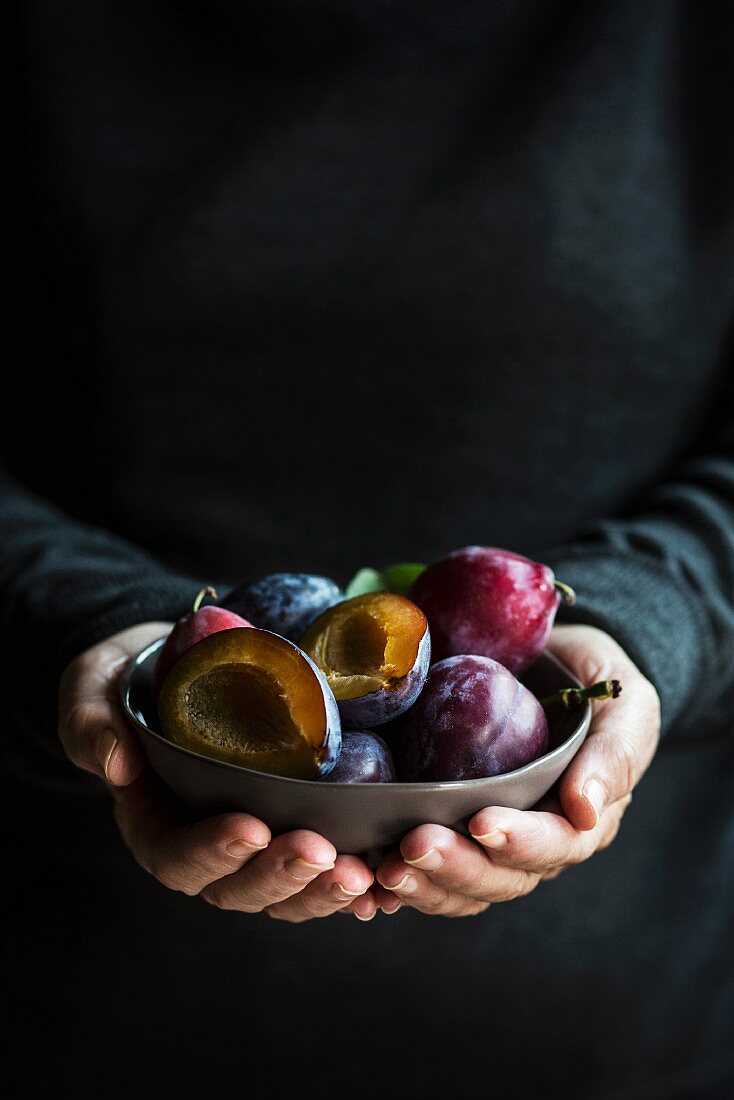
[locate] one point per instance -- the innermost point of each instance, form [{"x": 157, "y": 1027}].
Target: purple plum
[
  {"x": 473, "y": 719},
  {"x": 284, "y": 603},
  {"x": 489, "y": 602},
  {"x": 364, "y": 758},
  {"x": 375, "y": 651}
]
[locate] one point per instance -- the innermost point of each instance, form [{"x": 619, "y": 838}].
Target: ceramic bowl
[{"x": 355, "y": 817}]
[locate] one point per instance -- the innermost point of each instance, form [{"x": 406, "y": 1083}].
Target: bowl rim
[{"x": 579, "y": 733}]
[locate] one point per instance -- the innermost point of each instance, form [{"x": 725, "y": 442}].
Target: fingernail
[
  {"x": 407, "y": 885},
  {"x": 431, "y": 861},
  {"x": 304, "y": 872},
  {"x": 342, "y": 894},
  {"x": 106, "y": 744},
  {"x": 495, "y": 838},
  {"x": 393, "y": 909},
  {"x": 595, "y": 795},
  {"x": 243, "y": 848},
  {"x": 370, "y": 917}
]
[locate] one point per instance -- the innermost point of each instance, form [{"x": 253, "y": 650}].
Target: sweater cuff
[
  {"x": 160, "y": 596},
  {"x": 649, "y": 613}
]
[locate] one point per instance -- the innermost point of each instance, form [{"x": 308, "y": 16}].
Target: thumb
[
  {"x": 622, "y": 742},
  {"x": 92, "y": 727}
]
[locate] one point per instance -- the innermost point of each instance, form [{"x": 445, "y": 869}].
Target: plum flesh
[
  {"x": 489, "y": 602},
  {"x": 473, "y": 719},
  {"x": 251, "y": 698},
  {"x": 285, "y": 603},
  {"x": 375, "y": 651},
  {"x": 364, "y": 758}
]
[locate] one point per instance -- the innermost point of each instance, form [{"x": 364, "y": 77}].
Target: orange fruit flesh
[
  {"x": 365, "y": 644},
  {"x": 247, "y": 697}
]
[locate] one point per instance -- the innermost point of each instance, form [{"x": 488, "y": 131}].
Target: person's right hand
[{"x": 230, "y": 860}]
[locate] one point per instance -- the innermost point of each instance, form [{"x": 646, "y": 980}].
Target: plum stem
[
  {"x": 574, "y": 697},
  {"x": 568, "y": 594},
  {"x": 208, "y": 591}
]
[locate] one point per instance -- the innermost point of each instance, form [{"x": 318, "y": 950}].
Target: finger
[
  {"x": 368, "y": 905},
  {"x": 622, "y": 742},
  {"x": 624, "y": 732},
  {"x": 385, "y": 900},
  {"x": 184, "y": 856},
  {"x": 92, "y": 727},
  {"x": 376, "y": 899},
  {"x": 331, "y": 891},
  {"x": 285, "y": 868},
  {"x": 538, "y": 841},
  {"x": 462, "y": 866},
  {"x": 414, "y": 888}
]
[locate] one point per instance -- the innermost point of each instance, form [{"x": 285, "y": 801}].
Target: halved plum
[
  {"x": 374, "y": 651},
  {"x": 254, "y": 699}
]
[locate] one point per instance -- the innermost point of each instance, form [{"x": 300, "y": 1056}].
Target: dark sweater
[{"x": 325, "y": 284}]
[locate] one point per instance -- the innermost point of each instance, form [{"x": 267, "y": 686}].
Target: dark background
[{"x": 323, "y": 284}]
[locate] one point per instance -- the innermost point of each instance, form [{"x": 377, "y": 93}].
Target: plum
[
  {"x": 252, "y": 698},
  {"x": 199, "y": 623},
  {"x": 473, "y": 719},
  {"x": 364, "y": 758},
  {"x": 491, "y": 603},
  {"x": 375, "y": 651},
  {"x": 285, "y": 603}
]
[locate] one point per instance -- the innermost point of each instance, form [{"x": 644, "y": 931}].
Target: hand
[
  {"x": 230, "y": 860},
  {"x": 439, "y": 871}
]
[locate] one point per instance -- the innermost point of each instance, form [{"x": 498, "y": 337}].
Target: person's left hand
[{"x": 439, "y": 871}]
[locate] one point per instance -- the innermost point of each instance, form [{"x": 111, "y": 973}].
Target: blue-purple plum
[
  {"x": 375, "y": 651},
  {"x": 252, "y": 698},
  {"x": 285, "y": 603},
  {"x": 364, "y": 758},
  {"x": 473, "y": 719}
]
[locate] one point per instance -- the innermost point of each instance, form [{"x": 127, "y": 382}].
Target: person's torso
[{"x": 361, "y": 282}]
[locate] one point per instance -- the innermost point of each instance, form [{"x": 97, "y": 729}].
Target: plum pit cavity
[{"x": 240, "y": 708}]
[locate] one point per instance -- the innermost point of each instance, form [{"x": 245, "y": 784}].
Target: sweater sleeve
[
  {"x": 64, "y": 586},
  {"x": 661, "y": 581}
]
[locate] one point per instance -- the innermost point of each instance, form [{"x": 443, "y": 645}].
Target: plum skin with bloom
[
  {"x": 284, "y": 603},
  {"x": 489, "y": 602},
  {"x": 473, "y": 719},
  {"x": 192, "y": 628},
  {"x": 364, "y": 758}
]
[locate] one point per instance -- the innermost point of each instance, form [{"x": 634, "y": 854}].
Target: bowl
[{"x": 355, "y": 817}]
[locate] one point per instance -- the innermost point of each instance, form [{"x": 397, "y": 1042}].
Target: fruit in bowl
[
  {"x": 364, "y": 758},
  {"x": 200, "y": 622},
  {"x": 248, "y": 719},
  {"x": 374, "y": 651},
  {"x": 491, "y": 603},
  {"x": 285, "y": 603},
  {"x": 251, "y": 698},
  {"x": 473, "y": 719}
]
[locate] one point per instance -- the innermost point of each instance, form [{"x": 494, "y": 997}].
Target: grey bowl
[{"x": 355, "y": 817}]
